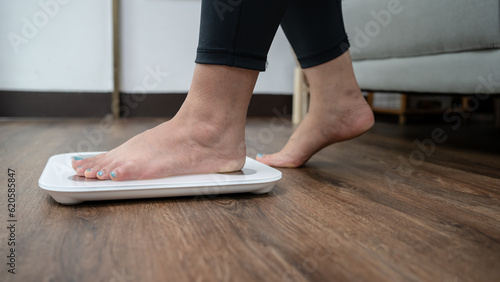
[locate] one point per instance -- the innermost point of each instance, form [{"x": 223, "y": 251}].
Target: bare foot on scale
[
  {"x": 207, "y": 135},
  {"x": 172, "y": 148}
]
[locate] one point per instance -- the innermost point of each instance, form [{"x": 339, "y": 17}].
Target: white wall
[
  {"x": 72, "y": 51},
  {"x": 163, "y": 36},
  {"x": 56, "y": 45}
]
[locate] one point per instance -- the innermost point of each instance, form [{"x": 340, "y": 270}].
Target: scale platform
[{"x": 59, "y": 180}]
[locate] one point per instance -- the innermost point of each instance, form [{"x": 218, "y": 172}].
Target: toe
[
  {"x": 91, "y": 172},
  {"x": 102, "y": 174},
  {"x": 260, "y": 158},
  {"x": 80, "y": 171},
  {"x": 92, "y": 167},
  {"x": 267, "y": 159},
  {"x": 76, "y": 162},
  {"x": 279, "y": 160},
  {"x": 123, "y": 173}
]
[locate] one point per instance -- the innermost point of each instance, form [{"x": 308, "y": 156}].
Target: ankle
[
  {"x": 212, "y": 129},
  {"x": 216, "y": 117}
]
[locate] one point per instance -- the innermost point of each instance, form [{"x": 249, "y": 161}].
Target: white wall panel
[
  {"x": 56, "y": 45},
  {"x": 163, "y": 36}
]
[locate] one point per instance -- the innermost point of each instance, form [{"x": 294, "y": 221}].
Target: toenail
[
  {"x": 113, "y": 174},
  {"x": 100, "y": 173},
  {"x": 77, "y": 158},
  {"x": 80, "y": 167},
  {"x": 88, "y": 169},
  {"x": 259, "y": 155}
]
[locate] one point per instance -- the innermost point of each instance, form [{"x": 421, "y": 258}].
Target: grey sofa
[
  {"x": 437, "y": 46},
  {"x": 422, "y": 46}
]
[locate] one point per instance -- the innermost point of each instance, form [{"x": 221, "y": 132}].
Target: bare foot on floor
[
  {"x": 172, "y": 148},
  {"x": 320, "y": 129},
  {"x": 337, "y": 112}
]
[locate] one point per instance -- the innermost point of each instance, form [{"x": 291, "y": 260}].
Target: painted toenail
[
  {"x": 259, "y": 155},
  {"x": 88, "y": 169},
  {"x": 100, "y": 173},
  {"x": 77, "y": 158},
  {"x": 113, "y": 174},
  {"x": 80, "y": 167}
]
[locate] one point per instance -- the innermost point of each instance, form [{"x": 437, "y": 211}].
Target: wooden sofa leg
[
  {"x": 300, "y": 96},
  {"x": 297, "y": 97},
  {"x": 402, "y": 119},
  {"x": 402, "y": 109}
]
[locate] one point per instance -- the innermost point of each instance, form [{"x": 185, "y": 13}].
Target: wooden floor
[{"x": 378, "y": 208}]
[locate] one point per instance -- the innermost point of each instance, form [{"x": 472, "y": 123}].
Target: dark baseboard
[
  {"x": 167, "y": 105},
  {"x": 54, "y": 104},
  {"x": 270, "y": 105},
  {"x": 73, "y": 104},
  {"x": 150, "y": 105}
]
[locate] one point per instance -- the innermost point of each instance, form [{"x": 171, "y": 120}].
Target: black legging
[{"x": 239, "y": 32}]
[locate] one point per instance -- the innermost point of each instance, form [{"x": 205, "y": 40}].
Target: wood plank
[{"x": 350, "y": 214}]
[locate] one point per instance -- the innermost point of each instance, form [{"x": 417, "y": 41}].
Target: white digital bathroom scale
[{"x": 59, "y": 180}]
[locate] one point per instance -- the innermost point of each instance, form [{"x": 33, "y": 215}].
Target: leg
[
  {"x": 207, "y": 134},
  {"x": 337, "y": 110}
]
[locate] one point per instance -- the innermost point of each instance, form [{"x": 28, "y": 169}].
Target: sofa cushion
[
  {"x": 380, "y": 29},
  {"x": 465, "y": 73}
]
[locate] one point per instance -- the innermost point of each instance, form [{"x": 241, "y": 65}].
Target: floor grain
[{"x": 371, "y": 209}]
